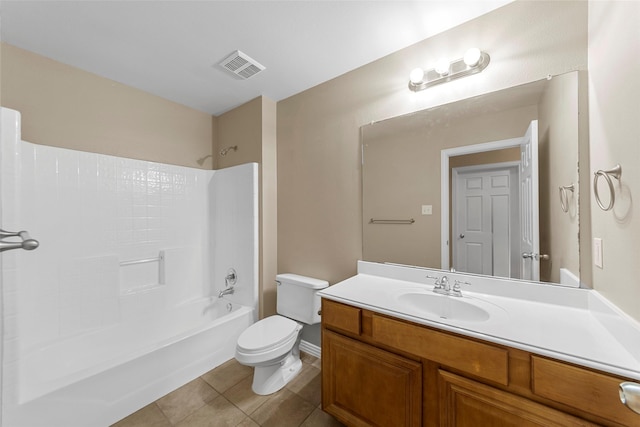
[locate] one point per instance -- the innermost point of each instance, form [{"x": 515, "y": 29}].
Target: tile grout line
[
  {"x": 309, "y": 361},
  {"x": 155, "y": 403}
]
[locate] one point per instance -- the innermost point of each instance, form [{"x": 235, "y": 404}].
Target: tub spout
[{"x": 226, "y": 291}]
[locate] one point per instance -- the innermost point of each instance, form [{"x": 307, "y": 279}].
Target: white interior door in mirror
[
  {"x": 529, "y": 205},
  {"x": 485, "y": 224}
]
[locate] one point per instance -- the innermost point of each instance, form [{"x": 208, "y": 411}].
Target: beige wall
[
  {"x": 66, "y": 107},
  {"x": 269, "y": 206},
  {"x": 241, "y": 127},
  {"x": 558, "y": 156},
  {"x": 614, "y": 132},
  {"x": 319, "y": 190},
  {"x": 252, "y": 128}
]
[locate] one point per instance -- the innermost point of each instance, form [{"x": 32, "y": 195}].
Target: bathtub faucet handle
[{"x": 231, "y": 278}]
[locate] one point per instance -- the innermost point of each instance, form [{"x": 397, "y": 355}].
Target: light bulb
[
  {"x": 416, "y": 76},
  {"x": 442, "y": 66},
  {"x": 472, "y": 57}
]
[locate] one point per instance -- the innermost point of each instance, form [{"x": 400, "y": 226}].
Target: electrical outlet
[
  {"x": 427, "y": 209},
  {"x": 597, "y": 252}
]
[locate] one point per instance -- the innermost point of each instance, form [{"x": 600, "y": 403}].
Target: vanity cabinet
[{"x": 378, "y": 370}]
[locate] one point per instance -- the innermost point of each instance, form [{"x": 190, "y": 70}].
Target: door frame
[{"x": 445, "y": 154}]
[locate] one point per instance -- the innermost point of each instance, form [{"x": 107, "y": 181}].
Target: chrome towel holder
[
  {"x": 27, "y": 243},
  {"x": 392, "y": 221},
  {"x": 564, "y": 196},
  {"x": 615, "y": 172}
]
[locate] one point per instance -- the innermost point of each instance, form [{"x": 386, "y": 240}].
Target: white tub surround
[
  {"x": 119, "y": 303},
  {"x": 574, "y": 325}
]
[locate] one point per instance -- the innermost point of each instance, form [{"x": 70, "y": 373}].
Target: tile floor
[{"x": 223, "y": 397}]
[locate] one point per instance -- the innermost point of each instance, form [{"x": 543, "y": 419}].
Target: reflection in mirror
[{"x": 410, "y": 161}]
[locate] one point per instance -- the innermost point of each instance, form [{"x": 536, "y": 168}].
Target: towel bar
[
  {"x": 392, "y": 221},
  {"x": 27, "y": 243}
]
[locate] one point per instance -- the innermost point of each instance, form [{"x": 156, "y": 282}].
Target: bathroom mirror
[{"x": 413, "y": 211}]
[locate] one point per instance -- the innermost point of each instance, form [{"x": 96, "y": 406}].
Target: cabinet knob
[{"x": 630, "y": 396}]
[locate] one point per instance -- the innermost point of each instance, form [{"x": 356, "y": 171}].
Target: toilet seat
[{"x": 268, "y": 334}]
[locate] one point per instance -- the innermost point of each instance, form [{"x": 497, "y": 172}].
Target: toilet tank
[{"x": 298, "y": 297}]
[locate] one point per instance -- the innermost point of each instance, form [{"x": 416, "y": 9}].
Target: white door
[
  {"x": 485, "y": 204},
  {"x": 529, "y": 205}
]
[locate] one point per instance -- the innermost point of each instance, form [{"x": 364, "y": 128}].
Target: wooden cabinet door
[
  {"x": 467, "y": 403},
  {"x": 365, "y": 386}
]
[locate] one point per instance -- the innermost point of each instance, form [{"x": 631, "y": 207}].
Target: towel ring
[
  {"x": 564, "y": 196},
  {"x": 615, "y": 172}
]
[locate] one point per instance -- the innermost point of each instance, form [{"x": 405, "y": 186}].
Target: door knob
[
  {"x": 462, "y": 235},
  {"x": 537, "y": 257}
]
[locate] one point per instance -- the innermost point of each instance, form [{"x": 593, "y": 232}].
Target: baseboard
[{"x": 309, "y": 348}]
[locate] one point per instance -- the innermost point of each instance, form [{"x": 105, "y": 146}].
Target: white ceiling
[{"x": 172, "y": 48}]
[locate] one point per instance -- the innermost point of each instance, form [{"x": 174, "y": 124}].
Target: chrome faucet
[
  {"x": 226, "y": 291},
  {"x": 455, "y": 291},
  {"x": 443, "y": 286}
]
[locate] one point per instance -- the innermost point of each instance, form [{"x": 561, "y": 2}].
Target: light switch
[
  {"x": 597, "y": 252},
  {"x": 427, "y": 209}
]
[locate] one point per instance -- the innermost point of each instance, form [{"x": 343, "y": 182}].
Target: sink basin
[{"x": 445, "y": 307}]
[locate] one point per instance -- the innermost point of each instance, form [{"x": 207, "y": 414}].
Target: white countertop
[{"x": 575, "y": 325}]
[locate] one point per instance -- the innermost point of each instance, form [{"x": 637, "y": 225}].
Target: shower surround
[{"x": 124, "y": 284}]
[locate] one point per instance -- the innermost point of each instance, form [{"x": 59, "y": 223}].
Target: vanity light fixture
[{"x": 474, "y": 61}]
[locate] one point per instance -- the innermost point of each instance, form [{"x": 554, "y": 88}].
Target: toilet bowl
[{"x": 271, "y": 345}]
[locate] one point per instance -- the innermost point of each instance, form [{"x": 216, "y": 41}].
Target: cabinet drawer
[
  {"x": 340, "y": 316},
  {"x": 475, "y": 358},
  {"x": 582, "y": 389}
]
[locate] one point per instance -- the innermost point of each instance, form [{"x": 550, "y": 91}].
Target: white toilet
[{"x": 271, "y": 345}]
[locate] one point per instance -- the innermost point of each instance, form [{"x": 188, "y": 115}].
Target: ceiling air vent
[{"x": 241, "y": 65}]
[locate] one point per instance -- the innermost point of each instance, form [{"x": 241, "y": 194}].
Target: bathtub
[{"x": 105, "y": 385}]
